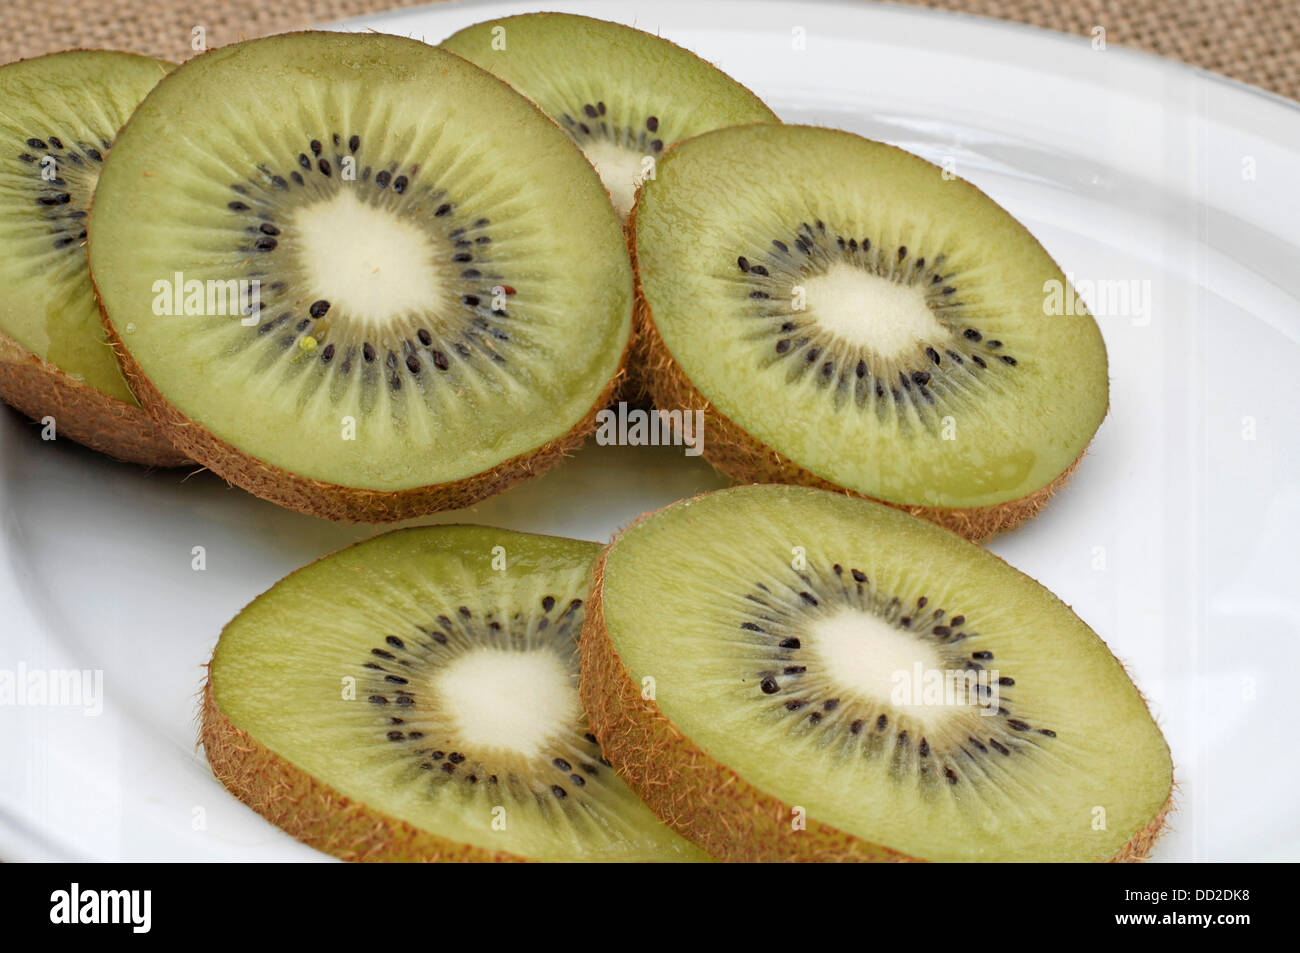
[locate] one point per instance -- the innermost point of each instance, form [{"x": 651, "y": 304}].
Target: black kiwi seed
[
  {"x": 856, "y": 727},
  {"x": 354, "y": 143},
  {"x": 859, "y": 575},
  {"x": 412, "y": 363},
  {"x": 303, "y": 160},
  {"x": 382, "y": 178},
  {"x": 790, "y": 643},
  {"x": 559, "y": 791},
  {"x": 324, "y": 166},
  {"x": 882, "y": 722},
  {"x": 368, "y": 352},
  {"x": 400, "y": 183},
  {"x": 315, "y": 147},
  {"x": 425, "y": 337},
  {"x": 440, "y": 361},
  {"x": 983, "y": 656},
  {"x": 972, "y": 335},
  {"x": 769, "y": 686},
  {"x": 237, "y": 206},
  {"x": 319, "y": 308},
  {"x": 652, "y": 123}
]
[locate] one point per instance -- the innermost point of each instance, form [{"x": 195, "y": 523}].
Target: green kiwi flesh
[
  {"x": 624, "y": 95},
  {"x": 59, "y": 115},
  {"x": 425, "y": 681},
  {"x": 793, "y": 637},
  {"x": 874, "y": 321},
  {"x": 444, "y": 289}
]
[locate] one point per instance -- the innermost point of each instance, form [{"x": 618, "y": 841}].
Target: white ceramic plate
[{"x": 1175, "y": 540}]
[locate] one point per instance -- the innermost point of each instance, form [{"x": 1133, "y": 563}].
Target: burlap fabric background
[{"x": 1256, "y": 41}]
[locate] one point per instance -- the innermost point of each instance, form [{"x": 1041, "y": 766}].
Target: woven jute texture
[{"x": 1256, "y": 41}]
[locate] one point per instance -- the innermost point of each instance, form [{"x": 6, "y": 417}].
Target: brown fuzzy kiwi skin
[
  {"x": 312, "y": 811},
  {"x": 330, "y": 500},
  {"x": 656, "y": 379},
  {"x": 704, "y": 800},
  {"x": 39, "y": 389}
]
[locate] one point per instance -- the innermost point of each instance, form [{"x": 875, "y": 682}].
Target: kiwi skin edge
[
  {"x": 659, "y": 381},
  {"x": 37, "y": 388},
  {"x": 703, "y": 800},
  {"x": 312, "y": 811},
  {"x": 330, "y": 500}
]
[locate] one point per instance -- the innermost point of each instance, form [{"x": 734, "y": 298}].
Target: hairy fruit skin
[
  {"x": 656, "y": 379},
  {"x": 704, "y": 800},
  {"x": 38, "y": 389},
  {"x": 312, "y": 811},
  {"x": 345, "y": 503}
]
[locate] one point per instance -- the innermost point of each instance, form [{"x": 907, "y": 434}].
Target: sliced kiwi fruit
[
  {"x": 761, "y": 665},
  {"x": 624, "y": 95},
  {"x": 443, "y": 295},
  {"x": 868, "y": 323},
  {"x": 415, "y": 697},
  {"x": 59, "y": 115}
]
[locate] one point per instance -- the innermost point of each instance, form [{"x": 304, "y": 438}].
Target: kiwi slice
[
  {"x": 868, "y": 324},
  {"x": 788, "y": 673},
  {"x": 59, "y": 115},
  {"x": 415, "y": 697},
  {"x": 443, "y": 295},
  {"x": 624, "y": 95}
]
